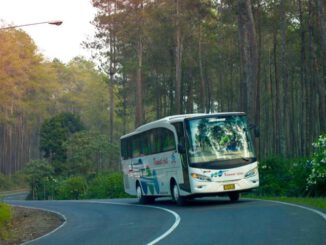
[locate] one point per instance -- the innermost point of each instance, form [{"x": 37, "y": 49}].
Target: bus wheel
[
  {"x": 176, "y": 195},
  {"x": 141, "y": 198},
  {"x": 234, "y": 196}
]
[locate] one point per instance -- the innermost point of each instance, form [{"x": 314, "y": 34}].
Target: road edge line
[
  {"x": 323, "y": 215},
  {"x": 165, "y": 234},
  {"x": 46, "y": 210}
]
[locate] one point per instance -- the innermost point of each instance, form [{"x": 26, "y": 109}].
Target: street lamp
[{"x": 55, "y": 22}]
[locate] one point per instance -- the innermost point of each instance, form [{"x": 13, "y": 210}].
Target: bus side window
[
  {"x": 168, "y": 142},
  {"x": 157, "y": 137},
  {"x": 146, "y": 143},
  {"x": 136, "y": 147}
]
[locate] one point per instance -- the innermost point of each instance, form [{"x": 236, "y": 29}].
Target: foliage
[
  {"x": 27, "y": 89},
  {"x": 90, "y": 152},
  {"x": 283, "y": 177},
  {"x": 291, "y": 71},
  {"x": 55, "y": 132},
  {"x": 290, "y": 57},
  {"x": 316, "y": 181},
  {"x": 40, "y": 177},
  {"x": 107, "y": 185},
  {"x": 14, "y": 182},
  {"x": 73, "y": 188},
  {"x": 5, "y": 183},
  {"x": 5, "y": 220}
]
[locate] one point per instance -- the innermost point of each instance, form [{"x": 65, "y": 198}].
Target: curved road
[{"x": 203, "y": 221}]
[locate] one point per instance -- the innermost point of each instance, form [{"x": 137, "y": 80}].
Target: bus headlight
[
  {"x": 251, "y": 173},
  {"x": 201, "y": 177}
]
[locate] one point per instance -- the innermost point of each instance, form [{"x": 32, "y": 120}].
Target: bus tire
[
  {"x": 140, "y": 196},
  {"x": 234, "y": 196},
  {"x": 176, "y": 194}
]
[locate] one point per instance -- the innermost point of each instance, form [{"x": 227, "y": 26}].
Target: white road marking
[
  {"x": 323, "y": 215},
  {"x": 165, "y": 234},
  {"x": 46, "y": 210}
]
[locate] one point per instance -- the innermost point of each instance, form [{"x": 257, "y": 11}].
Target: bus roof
[{"x": 176, "y": 118}]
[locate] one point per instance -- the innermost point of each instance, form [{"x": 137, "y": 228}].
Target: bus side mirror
[{"x": 181, "y": 149}]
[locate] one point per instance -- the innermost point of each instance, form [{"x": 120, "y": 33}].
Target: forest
[{"x": 154, "y": 58}]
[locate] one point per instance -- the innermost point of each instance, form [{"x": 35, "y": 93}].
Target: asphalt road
[{"x": 202, "y": 221}]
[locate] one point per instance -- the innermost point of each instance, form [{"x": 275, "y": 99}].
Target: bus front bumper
[{"x": 200, "y": 187}]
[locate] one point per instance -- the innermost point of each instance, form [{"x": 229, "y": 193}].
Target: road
[{"x": 203, "y": 221}]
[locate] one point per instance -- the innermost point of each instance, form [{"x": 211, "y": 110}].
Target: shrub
[
  {"x": 13, "y": 182},
  {"x": 40, "y": 177},
  {"x": 109, "y": 185},
  {"x": 316, "y": 181},
  {"x": 5, "y": 183},
  {"x": 283, "y": 177},
  {"x": 72, "y": 188},
  {"x": 5, "y": 220}
]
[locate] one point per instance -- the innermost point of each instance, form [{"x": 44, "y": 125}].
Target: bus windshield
[{"x": 211, "y": 139}]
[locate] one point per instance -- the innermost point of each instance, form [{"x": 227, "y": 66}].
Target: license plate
[{"x": 229, "y": 187}]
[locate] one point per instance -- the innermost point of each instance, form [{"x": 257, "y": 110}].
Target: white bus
[{"x": 188, "y": 156}]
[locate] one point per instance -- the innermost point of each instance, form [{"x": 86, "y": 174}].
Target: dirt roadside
[{"x": 29, "y": 224}]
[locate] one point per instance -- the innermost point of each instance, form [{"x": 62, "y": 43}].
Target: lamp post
[{"x": 55, "y": 22}]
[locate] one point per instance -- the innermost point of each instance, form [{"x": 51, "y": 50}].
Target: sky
[{"x": 62, "y": 42}]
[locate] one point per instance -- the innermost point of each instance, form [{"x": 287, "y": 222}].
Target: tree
[
  {"x": 249, "y": 55},
  {"x": 90, "y": 152},
  {"x": 54, "y": 133},
  {"x": 27, "y": 84},
  {"x": 40, "y": 172}
]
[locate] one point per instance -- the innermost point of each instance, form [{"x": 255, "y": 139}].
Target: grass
[
  {"x": 309, "y": 201},
  {"x": 5, "y": 220}
]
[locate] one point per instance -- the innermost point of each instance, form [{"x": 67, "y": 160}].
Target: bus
[{"x": 188, "y": 156}]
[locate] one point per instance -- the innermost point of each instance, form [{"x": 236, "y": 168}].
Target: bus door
[{"x": 185, "y": 186}]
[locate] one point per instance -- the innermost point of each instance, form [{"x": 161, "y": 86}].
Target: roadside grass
[
  {"x": 319, "y": 202},
  {"x": 5, "y": 221}
]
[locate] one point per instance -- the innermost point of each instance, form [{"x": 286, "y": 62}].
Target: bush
[
  {"x": 13, "y": 182},
  {"x": 5, "y": 183},
  {"x": 40, "y": 178},
  {"x": 316, "y": 181},
  {"x": 283, "y": 177},
  {"x": 108, "y": 185},
  {"x": 5, "y": 220},
  {"x": 72, "y": 188}
]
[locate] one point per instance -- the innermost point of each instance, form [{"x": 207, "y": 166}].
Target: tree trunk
[
  {"x": 178, "y": 57},
  {"x": 203, "y": 96},
  {"x": 250, "y": 57},
  {"x": 284, "y": 93},
  {"x": 322, "y": 85},
  {"x": 303, "y": 71},
  {"x": 139, "y": 83}
]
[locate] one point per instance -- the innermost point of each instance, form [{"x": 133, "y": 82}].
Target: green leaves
[
  {"x": 283, "y": 177},
  {"x": 90, "y": 152},
  {"x": 73, "y": 188},
  {"x": 55, "y": 132},
  {"x": 316, "y": 182},
  {"x": 107, "y": 185}
]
